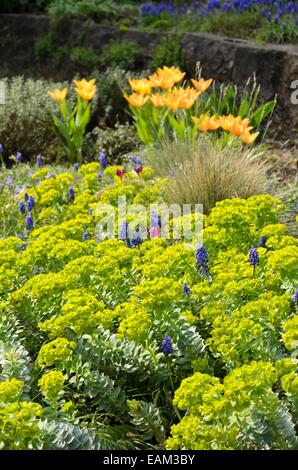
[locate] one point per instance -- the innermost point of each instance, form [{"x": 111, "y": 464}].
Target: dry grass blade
[{"x": 204, "y": 173}]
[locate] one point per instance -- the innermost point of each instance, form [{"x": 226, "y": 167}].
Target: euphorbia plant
[{"x": 71, "y": 126}]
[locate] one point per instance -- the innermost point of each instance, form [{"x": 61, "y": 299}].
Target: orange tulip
[
  {"x": 181, "y": 98},
  {"x": 201, "y": 85},
  {"x": 166, "y": 77},
  {"x": 248, "y": 138},
  {"x": 206, "y": 123},
  {"x": 136, "y": 100},
  {"x": 158, "y": 100},
  {"x": 58, "y": 95}
]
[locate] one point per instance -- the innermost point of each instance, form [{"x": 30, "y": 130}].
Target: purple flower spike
[
  {"x": 254, "y": 257},
  {"x": 31, "y": 203},
  {"x": 186, "y": 289},
  {"x": 71, "y": 194},
  {"x": 166, "y": 346},
  {"x": 22, "y": 207},
  {"x": 263, "y": 241},
  {"x": 29, "y": 222},
  {"x": 136, "y": 239},
  {"x": 103, "y": 160},
  {"x": 39, "y": 160}
]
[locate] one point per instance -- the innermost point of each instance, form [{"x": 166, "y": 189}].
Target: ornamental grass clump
[{"x": 203, "y": 172}]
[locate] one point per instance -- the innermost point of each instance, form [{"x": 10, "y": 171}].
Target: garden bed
[{"x": 226, "y": 60}]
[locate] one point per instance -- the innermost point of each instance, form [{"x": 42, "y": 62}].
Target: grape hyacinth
[
  {"x": 29, "y": 222},
  {"x": 103, "y": 160},
  {"x": 254, "y": 256},
  {"x": 71, "y": 194},
  {"x": 22, "y": 207},
  {"x": 136, "y": 160},
  {"x": 39, "y": 160},
  {"x": 124, "y": 233},
  {"x": 254, "y": 259},
  {"x": 31, "y": 203},
  {"x": 272, "y": 11},
  {"x": 85, "y": 236},
  {"x": 295, "y": 297},
  {"x": 26, "y": 197},
  {"x": 136, "y": 238},
  {"x": 76, "y": 167},
  {"x": 263, "y": 241},
  {"x": 1, "y": 148},
  {"x": 19, "y": 157},
  {"x": 166, "y": 346},
  {"x": 186, "y": 289},
  {"x": 202, "y": 258}
]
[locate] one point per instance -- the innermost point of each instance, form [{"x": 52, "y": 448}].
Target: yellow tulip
[
  {"x": 58, "y": 95},
  {"x": 143, "y": 86},
  {"x": 85, "y": 89},
  {"x": 137, "y": 101},
  {"x": 201, "y": 85}
]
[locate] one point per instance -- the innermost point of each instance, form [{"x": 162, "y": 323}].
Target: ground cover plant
[{"x": 140, "y": 341}]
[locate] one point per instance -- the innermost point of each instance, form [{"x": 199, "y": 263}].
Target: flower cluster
[
  {"x": 280, "y": 12},
  {"x": 234, "y": 125},
  {"x": 173, "y": 110}
]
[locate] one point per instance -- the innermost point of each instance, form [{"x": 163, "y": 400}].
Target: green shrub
[
  {"x": 168, "y": 52},
  {"x": 25, "y": 117},
  {"x": 97, "y": 9},
  {"x": 85, "y": 58},
  {"x": 126, "y": 55},
  {"x": 47, "y": 51},
  {"x": 44, "y": 48},
  {"x": 16, "y": 6},
  {"x": 115, "y": 143}
]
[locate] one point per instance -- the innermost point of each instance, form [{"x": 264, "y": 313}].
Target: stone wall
[{"x": 226, "y": 60}]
